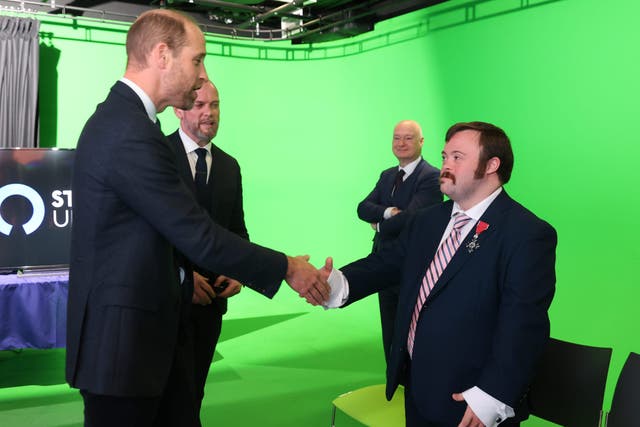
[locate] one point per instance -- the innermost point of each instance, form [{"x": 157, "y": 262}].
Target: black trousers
[
  {"x": 206, "y": 325},
  {"x": 388, "y": 301},
  {"x": 174, "y": 407}
]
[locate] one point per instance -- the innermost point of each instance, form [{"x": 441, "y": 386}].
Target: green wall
[{"x": 312, "y": 134}]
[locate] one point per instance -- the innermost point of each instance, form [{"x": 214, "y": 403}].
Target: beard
[
  {"x": 188, "y": 100},
  {"x": 205, "y": 131}
]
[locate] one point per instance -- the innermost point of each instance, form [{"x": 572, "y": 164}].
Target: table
[{"x": 33, "y": 310}]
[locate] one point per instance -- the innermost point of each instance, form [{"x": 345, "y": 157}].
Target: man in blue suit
[
  {"x": 478, "y": 276},
  {"x": 401, "y": 190},
  {"x": 222, "y": 199},
  {"x": 128, "y": 298}
]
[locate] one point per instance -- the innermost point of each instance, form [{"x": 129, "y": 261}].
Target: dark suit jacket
[
  {"x": 485, "y": 322},
  {"x": 225, "y": 187},
  {"x": 420, "y": 190},
  {"x": 131, "y": 208}
]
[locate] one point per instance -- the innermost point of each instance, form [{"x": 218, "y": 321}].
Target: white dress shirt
[{"x": 190, "y": 147}]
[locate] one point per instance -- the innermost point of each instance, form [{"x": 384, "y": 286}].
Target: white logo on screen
[{"x": 36, "y": 202}]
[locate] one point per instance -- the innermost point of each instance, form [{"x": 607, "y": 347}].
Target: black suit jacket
[
  {"x": 225, "y": 187},
  {"x": 485, "y": 322},
  {"x": 420, "y": 190},
  {"x": 131, "y": 208}
]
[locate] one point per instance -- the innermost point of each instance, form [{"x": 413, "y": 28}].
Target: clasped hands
[
  {"x": 304, "y": 278},
  {"x": 204, "y": 292},
  {"x": 310, "y": 283}
]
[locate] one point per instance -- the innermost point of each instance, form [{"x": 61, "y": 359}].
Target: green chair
[{"x": 369, "y": 406}]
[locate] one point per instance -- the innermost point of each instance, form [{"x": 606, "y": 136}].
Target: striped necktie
[{"x": 444, "y": 254}]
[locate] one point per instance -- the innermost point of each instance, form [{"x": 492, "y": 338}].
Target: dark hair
[
  {"x": 153, "y": 27},
  {"x": 494, "y": 142}
]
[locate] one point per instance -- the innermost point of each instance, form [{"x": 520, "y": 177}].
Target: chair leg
[{"x": 333, "y": 417}]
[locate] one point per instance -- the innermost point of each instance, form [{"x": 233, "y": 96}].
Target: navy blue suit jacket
[
  {"x": 420, "y": 190},
  {"x": 484, "y": 324},
  {"x": 131, "y": 209},
  {"x": 225, "y": 186}
]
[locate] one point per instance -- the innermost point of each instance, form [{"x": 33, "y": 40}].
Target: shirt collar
[
  {"x": 189, "y": 144},
  {"x": 409, "y": 168},
  {"x": 149, "y": 107},
  {"x": 478, "y": 210}
]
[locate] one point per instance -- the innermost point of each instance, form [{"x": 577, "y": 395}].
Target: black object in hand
[{"x": 221, "y": 286}]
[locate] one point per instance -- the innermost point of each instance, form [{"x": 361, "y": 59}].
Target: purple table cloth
[{"x": 33, "y": 311}]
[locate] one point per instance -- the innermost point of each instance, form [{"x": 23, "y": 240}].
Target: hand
[
  {"x": 306, "y": 280},
  {"x": 203, "y": 293},
  {"x": 469, "y": 419},
  {"x": 395, "y": 211},
  {"x": 233, "y": 288},
  {"x": 326, "y": 269}
]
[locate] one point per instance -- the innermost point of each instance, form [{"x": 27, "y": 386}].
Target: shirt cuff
[
  {"x": 490, "y": 410},
  {"x": 387, "y": 212},
  {"x": 339, "y": 290}
]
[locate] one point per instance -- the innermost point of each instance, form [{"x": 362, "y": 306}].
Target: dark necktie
[
  {"x": 398, "y": 181},
  {"x": 201, "y": 176}
]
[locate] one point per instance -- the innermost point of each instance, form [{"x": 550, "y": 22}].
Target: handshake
[{"x": 311, "y": 284}]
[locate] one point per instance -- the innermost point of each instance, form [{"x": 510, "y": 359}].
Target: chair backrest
[
  {"x": 624, "y": 406},
  {"x": 568, "y": 387}
]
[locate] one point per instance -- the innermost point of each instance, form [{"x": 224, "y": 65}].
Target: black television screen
[{"x": 35, "y": 208}]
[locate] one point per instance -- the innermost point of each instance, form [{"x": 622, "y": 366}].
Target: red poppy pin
[{"x": 480, "y": 228}]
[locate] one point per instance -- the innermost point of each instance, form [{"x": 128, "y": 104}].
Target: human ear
[
  {"x": 161, "y": 54},
  {"x": 493, "y": 165}
]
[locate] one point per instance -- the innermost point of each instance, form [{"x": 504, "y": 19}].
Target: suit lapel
[
  {"x": 215, "y": 182},
  {"x": 421, "y": 164},
  {"x": 403, "y": 195},
  {"x": 387, "y": 185},
  {"x": 182, "y": 162},
  {"x": 492, "y": 216},
  {"x": 426, "y": 243}
]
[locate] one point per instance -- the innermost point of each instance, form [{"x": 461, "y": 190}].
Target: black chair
[
  {"x": 568, "y": 387},
  {"x": 624, "y": 406}
]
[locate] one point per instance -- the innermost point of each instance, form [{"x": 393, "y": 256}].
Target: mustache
[{"x": 449, "y": 175}]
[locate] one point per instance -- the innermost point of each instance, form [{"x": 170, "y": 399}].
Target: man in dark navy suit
[
  {"x": 478, "y": 276},
  {"x": 222, "y": 198},
  {"x": 126, "y": 344},
  {"x": 400, "y": 190}
]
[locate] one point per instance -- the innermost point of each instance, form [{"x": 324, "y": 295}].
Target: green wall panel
[{"x": 313, "y": 134}]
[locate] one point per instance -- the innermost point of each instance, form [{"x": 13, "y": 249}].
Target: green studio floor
[{"x": 274, "y": 370}]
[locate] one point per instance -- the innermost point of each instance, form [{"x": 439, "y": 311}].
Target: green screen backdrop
[{"x": 311, "y": 128}]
